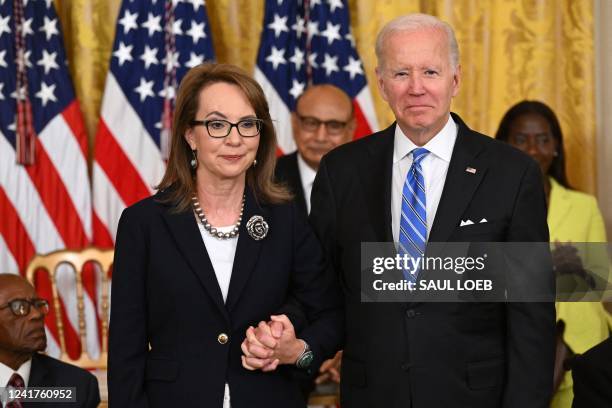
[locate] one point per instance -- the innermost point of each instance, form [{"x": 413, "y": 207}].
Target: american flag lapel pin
[{"x": 470, "y": 170}]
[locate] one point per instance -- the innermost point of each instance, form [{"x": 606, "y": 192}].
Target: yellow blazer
[{"x": 575, "y": 217}]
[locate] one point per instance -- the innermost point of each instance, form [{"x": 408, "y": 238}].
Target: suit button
[
  {"x": 222, "y": 338},
  {"x": 410, "y": 313},
  {"x": 406, "y": 366}
]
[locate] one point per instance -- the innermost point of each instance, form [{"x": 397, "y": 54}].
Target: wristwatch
[{"x": 305, "y": 359}]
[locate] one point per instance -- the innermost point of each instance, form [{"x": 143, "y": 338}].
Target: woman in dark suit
[{"x": 218, "y": 249}]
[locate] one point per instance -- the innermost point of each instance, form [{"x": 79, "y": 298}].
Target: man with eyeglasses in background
[
  {"x": 323, "y": 119},
  {"x": 22, "y": 336}
]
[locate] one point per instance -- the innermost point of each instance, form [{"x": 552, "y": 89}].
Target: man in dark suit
[
  {"x": 22, "y": 336},
  {"x": 323, "y": 119},
  {"x": 470, "y": 188}
]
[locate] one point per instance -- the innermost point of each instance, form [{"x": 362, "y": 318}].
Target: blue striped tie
[{"x": 413, "y": 223}]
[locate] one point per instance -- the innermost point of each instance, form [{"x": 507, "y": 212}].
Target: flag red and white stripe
[
  {"x": 45, "y": 201},
  {"x": 142, "y": 80}
]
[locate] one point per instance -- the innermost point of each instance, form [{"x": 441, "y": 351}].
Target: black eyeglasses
[
  {"x": 219, "y": 128},
  {"x": 311, "y": 124},
  {"x": 21, "y": 307}
]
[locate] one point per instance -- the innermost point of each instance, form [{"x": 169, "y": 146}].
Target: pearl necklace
[{"x": 212, "y": 230}]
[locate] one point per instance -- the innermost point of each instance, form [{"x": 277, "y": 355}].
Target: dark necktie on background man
[{"x": 15, "y": 382}]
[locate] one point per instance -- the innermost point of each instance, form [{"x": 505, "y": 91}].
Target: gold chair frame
[{"x": 77, "y": 259}]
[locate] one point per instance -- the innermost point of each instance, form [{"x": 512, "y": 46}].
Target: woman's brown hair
[{"x": 179, "y": 179}]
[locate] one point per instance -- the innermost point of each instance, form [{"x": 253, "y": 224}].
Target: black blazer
[
  {"x": 430, "y": 355},
  {"x": 287, "y": 172},
  {"x": 50, "y": 372},
  {"x": 168, "y": 311}
]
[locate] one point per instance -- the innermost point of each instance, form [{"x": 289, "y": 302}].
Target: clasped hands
[
  {"x": 270, "y": 344},
  {"x": 274, "y": 342}
]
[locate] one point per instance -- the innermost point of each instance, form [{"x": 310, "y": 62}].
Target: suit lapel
[
  {"x": 38, "y": 373},
  {"x": 460, "y": 183},
  {"x": 40, "y": 376},
  {"x": 295, "y": 180},
  {"x": 183, "y": 227},
  {"x": 247, "y": 250},
  {"x": 376, "y": 173}
]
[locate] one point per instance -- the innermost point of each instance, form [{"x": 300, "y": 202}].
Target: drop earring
[
  {"x": 194, "y": 161},
  {"x": 254, "y": 162}
]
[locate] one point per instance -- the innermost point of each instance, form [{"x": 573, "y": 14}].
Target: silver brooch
[{"x": 257, "y": 227}]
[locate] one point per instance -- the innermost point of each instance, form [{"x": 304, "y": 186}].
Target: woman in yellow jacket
[{"x": 573, "y": 216}]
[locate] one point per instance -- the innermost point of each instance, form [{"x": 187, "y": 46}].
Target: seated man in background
[
  {"x": 323, "y": 119},
  {"x": 22, "y": 336}
]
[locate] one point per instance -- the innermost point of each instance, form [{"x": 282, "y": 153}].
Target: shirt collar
[
  {"x": 307, "y": 174},
  {"x": 6, "y": 373},
  {"x": 441, "y": 145}
]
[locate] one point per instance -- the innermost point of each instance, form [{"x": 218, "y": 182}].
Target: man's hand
[
  {"x": 330, "y": 370},
  {"x": 271, "y": 344}
]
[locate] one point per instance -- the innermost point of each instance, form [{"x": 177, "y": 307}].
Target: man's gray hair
[{"x": 415, "y": 22}]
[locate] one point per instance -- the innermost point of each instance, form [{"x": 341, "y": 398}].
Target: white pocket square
[
  {"x": 483, "y": 221},
  {"x": 466, "y": 222}
]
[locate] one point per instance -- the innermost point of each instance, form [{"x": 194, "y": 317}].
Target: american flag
[
  {"x": 45, "y": 197},
  {"x": 156, "y": 42},
  {"x": 310, "y": 42}
]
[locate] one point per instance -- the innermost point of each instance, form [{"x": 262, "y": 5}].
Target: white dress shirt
[
  {"x": 307, "y": 175},
  {"x": 434, "y": 166},
  {"x": 221, "y": 253},
  {"x": 7, "y": 372}
]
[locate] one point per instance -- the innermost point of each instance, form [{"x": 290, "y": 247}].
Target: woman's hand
[
  {"x": 565, "y": 256},
  {"x": 567, "y": 261},
  {"x": 271, "y": 344}
]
